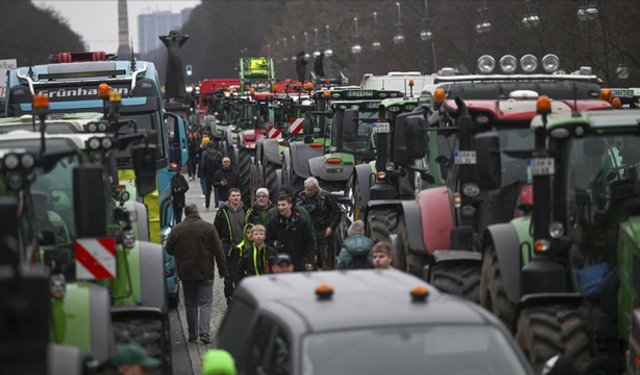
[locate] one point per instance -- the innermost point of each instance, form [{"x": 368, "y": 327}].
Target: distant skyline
[{"x": 85, "y": 18}]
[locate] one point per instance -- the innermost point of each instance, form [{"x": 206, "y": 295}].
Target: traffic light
[{"x": 189, "y": 70}]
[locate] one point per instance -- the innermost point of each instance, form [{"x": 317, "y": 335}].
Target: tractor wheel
[
  {"x": 381, "y": 224},
  {"x": 549, "y": 330},
  {"x": 493, "y": 296},
  {"x": 270, "y": 179},
  {"x": 461, "y": 279},
  {"x": 149, "y": 334},
  {"x": 245, "y": 157},
  {"x": 404, "y": 259}
]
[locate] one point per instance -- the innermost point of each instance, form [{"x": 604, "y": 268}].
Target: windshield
[
  {"x": 52, "y": 194},
  {"x": 439, "y": 350},
  {"x": 514, "y": 170},
  {"x": 362, "y": 145},
  {"x": 57, "y": 128},
  {"x": 148, "y": 121},
  {"x": 603, "y": 190}
]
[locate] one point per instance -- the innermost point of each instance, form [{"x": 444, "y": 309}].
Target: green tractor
[
  {"x": 566, "y": 279},
  {"x": 351, "y": 133},
  {"x": 95, "y": 236}
]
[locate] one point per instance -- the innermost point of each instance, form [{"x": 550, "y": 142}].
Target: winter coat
[
  {"x": 255, "y": 262},
  {"x": 224, "y": 225},
  {"x": 178, "y": 182},
  {"x": 323, "y": 209},
  {"x": 256, "y": 215},
  {"x": 233, "y": 181},
  {"x": 354, "y": 246},
  {"x": 212, "y": 161},
  {"x": 317, "y": 66},
  {"x": 294, "y": 232},
  {"x": 233, "y": 257},
  {"x": 305, "y": 215},
  {"x": 301, "y": 65},
  {"x": 195, "y": 243}
]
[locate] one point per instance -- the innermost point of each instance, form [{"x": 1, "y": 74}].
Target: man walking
[
  {"x": 301, "y": 66},
  {"x": 179, "y": 187},
  {"x": 289, "y": 233},
  {"x": 226, "y": 179},
  {"x": 230, "y": 223},
  {"x": 195, "y": 243},
  {"x": 326, "y": 217},
  {"x": 212, "y": 160}
]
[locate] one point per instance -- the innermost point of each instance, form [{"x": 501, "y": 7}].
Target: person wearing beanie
[
  {"x": 356, "y": 249},
  {"x": 258, "y": 213}
]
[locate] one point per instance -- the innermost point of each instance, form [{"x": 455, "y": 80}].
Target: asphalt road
[{"x": 187, "y": 356}]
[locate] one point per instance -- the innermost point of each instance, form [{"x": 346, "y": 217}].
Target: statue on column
[{"x": 174, "y": 82}]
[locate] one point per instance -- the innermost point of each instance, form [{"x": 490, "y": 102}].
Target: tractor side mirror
[
  {"x": 488, "y": 165},
  {"x": 144, "y": 164},
  {"x": 307, "y": 139},
  {"x": 307, "y": 126},
  {"x": 90, "y": 201},
  {"x": 409, "y": 139},
  {"x": 350, "y": 125}
]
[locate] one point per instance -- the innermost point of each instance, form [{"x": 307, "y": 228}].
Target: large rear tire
[
  {"x": 493, "y": 295},
  {"x": 461, "y": 279},
  {"x": 271, "y": 179},
  {"x": 549, "y": 330},
  {"x": 245, "y": 157},
  {"x": 381, "y": 224},
  {"x": 407, "y": 260}
]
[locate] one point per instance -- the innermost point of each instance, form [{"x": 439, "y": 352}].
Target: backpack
[
  {"x": 212, "y": 161},
  {"x": 359, "y": 262}
]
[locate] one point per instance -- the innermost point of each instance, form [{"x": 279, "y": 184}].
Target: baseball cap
[
  {"x": 285, "y": 189},
  {"x": 283, "y": 258},
  {"x": 133, "y": 354}
]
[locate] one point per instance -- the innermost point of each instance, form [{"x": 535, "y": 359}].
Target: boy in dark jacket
[
  {"x": 259, "y": 259},
  {"x": 288, "y": 232},
  {"x": 234, "y": 255},
  {"x": 179, "y": 187}
]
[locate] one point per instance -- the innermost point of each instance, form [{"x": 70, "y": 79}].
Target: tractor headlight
[
  {"x": 92, "y": 127},
  {"x": 106, "y": 143},
  {"x": 11, "y": 161},
  {"x": 128, "y": 238},
  {"x": 28, "y": 161},
  {"x": 556, "y": 230},
  {"x": 102, "y": 127},
  {"x": 389, "y": 166},
  {"x": 550, "y": 63},
  {"x": 94, "y": 143},
  {"x": 467, "y": 211},
  {"x": 471, "y": 190},
  {"x": 529, "y": 63},
  {"x": 15, "y": 181},
  {"x": 58, "y": 286},
  {"x": 508, "y": 64},
  {"x": 486, "y": 64}
]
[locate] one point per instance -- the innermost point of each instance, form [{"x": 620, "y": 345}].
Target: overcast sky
[{"x": 97, "y": 20}]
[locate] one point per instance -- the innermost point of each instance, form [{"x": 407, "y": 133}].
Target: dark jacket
[
  {"x": 233, "y": 181},
  {"x": 256, "y": 215},
  {"x": 195, "y": 243},
  {"x": 354, "y": 246},
  {"x": 255, "y": 262},
  {"x": 234, "y": 254},
  {"x": 301, "y": 65},
  {"x": 193, "y": 147},
  {"x": 179, "y": 182},
  {"x": 296, "y": 236},
  {"x": 317, "y": 65},
  {"x": 212, "y": 161},
  {"x": 323, "y": 209},
  {"x": 305, "y": 215}
]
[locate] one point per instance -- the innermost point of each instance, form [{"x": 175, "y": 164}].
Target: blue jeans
[
  {"x": 197, "y": 301},
  {"x": 203, "y": 185}
]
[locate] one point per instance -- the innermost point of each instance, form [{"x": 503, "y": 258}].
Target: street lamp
[
  {"x": 530, "y": 18},
  {"x": 425, "y": 34},
  {"x": 293, "y": 46},
  {"x": 622, "y": 71},
  {"x": 483, "y": 26},
  {"x": 285, "y": 58},
  {"x": 328, "y": 52},
  {"x": 356, "y": 48},
  {"x": 316, "y": 46},
  {"x": 398, "y": 38},
  {"x": 268, "y": 50},
  {"x": 375, "y": 45},
  {"x": 306, "y": 46},
  {"x": 588, "y": 12}
]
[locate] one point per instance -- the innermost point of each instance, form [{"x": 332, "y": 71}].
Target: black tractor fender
[
  {"x": 362, "y": 174},
  {"x": 411, "y": 212},
  {"x": 547, "y": 299},
  {"x": 507, "y": 245},
  {"x": 443, "y": 256},
  {"x": 64, "y": 360},
  {"x": 300, "y": 153},
  {"x": 271, "y": 151},
  {"x": 320, "y": 170},
  {"x": 152, "y": 276}
]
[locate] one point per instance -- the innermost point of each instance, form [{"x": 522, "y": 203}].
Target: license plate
[
  {"x": 464, "y": 157},
  {"x": 541, "y": 166},
  {"x": 381, "y": 127},
  {"x": 622, "y": 93},
  {"x": 55, "y": 116}
]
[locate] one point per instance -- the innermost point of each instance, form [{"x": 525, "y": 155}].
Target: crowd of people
[{"x": 296, "y": 234}]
